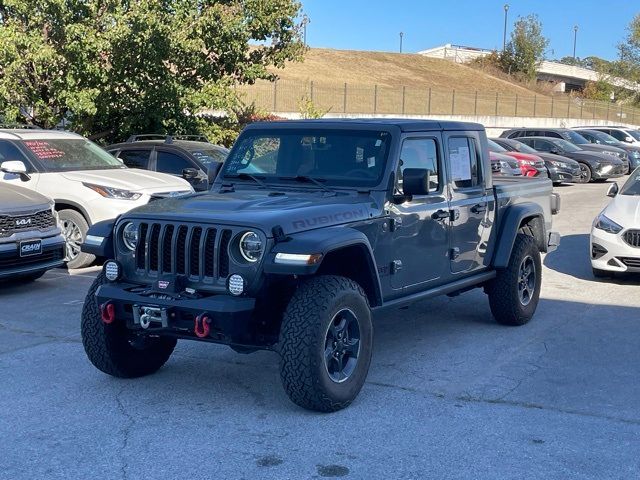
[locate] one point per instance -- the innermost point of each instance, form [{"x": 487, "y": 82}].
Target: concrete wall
[{"x": 494, "y": 125}]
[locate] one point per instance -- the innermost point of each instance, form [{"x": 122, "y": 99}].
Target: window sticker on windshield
[
  {"x": 43, "y": 150},
  {"x": 371, "y": 162},
  {"x": 359, "y": 154},
  {"x": 378, "y": 142},
  {"x": 460, "y": 165}
]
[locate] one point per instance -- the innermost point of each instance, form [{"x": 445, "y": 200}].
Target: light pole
[
  {"x": 575, "y": 37},
  {"x": 401, "y": 35},
  {"x": 504, "y": 35},
  {"x": 305, "y": 21}
]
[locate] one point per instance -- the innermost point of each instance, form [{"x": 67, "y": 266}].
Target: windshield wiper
[
  {"x": 307, "y": 179},
  {"x": 248, "y": 176}
]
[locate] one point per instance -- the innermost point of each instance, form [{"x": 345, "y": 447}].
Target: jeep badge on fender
[{"x": 312, "y": 227}]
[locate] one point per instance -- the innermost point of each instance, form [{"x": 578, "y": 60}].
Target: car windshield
[
  {"x": 604, "y": 138},
  {"x": 209, "y": 156},
  {"x": 634, "y": 133},
  {"x": 523, "y": 148},
  {"x": 494, "y": 147},
  {"x": 66, "y": 154},
  {"x": 335, "y": 157},
  {"x": 566, "y": 146},
  {"x": 574, "y": 137},
  {"x": 632, "y": 185}
]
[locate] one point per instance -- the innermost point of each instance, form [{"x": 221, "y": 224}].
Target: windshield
[
  {"x": 632, "y": 185},
  {"x": 65, "y": 154},
  {"x": 209, "y": 156},
  {"x": 574, "y": 137},
  {"x": 337, "y": 157},
  {"x": 566, "y": 146},
  {"x": 634, "y": 133},
  {"x": 494, "y": 147}
]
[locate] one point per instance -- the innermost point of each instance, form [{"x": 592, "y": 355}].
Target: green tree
[
  {"x": 628, "y": 65},
  {"x": 525, "y": 50},
  {"x": 112, "y": 67}
]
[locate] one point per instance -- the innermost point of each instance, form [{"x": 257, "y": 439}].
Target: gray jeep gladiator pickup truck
[
  {"x": 30, "y": 239},
  {"x": 311, "y": 227}
]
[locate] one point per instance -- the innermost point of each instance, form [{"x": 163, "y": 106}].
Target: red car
[{"x": 530, "y": 165}]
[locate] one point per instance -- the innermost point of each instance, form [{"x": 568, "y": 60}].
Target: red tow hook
[
  {"x": 108, "y": 312},
  {"x": 201, "y": 327}
]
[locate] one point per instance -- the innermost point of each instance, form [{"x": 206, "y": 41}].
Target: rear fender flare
[{"x": 513, "y": 218}]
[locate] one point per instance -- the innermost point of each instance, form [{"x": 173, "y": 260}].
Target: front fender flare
[
  {"x": 99, "y": 240},
  {"x": 509, "y": 226}
]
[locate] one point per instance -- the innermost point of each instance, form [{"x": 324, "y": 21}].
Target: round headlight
[
  {"x": 130, "y": 236},
  {"x": 250, "y": 246}
]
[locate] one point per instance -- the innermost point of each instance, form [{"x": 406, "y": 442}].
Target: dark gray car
[
  {"x": 570, "y": 136},
  {"x": 30, "y": 240},
  {"x": 593, "y": 165},
  {"x": 601, "y": 138}
]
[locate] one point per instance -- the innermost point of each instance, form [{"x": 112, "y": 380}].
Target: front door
[
  {"x": 420, "y": 226},
  {"x": 468, "y": 201}
]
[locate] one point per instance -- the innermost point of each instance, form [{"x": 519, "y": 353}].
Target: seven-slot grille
[
  {"x": 9, "y": 224},
  {"x": 632, "y": 237},
  {"x": 192, "y": 250}
]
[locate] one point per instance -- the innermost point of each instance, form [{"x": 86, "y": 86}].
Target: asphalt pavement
[{"x": 450, "y": 394}]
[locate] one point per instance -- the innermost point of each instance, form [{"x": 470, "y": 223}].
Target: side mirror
[
  {"x": 555, "y": 151},
  {"x": 189, "y": 173},
  {"x": 628, "y": 139},
  {"x": 613, "y": 190},
  {"x": 15, "y": 167},
  {"x": 415, "y": 181}
]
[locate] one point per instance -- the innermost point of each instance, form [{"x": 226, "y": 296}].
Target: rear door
[
  {"x": 420, "y": 226},
  {"x": 138, "y": 158},
  {"x": 468, "y": 200}
]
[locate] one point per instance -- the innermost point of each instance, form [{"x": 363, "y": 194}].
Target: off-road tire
[
  {"x": 504, "y": 297},
  {"x": 83, "y": 259},
  {"x": 108, "y": 346},
  {"x": 588, "y": 174},
  {"x": 305, "y": 324}
]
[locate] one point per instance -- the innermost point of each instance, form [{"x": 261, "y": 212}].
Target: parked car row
[{"x": 54, "y": 185}]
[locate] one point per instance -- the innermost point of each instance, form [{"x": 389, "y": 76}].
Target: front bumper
[
  {"x": 12, "y": 264},
  {"x": 610, "y": 252},
  {"x": 231, "y": 318},
  {"x": 563, "y": 174},
  {"x": 609, "y": 171}
]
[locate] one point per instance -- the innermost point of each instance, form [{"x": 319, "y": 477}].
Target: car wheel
[
  {"x": 514, "y": 293},
  {"x": 74, "y": 230},
  {"x": 585, "y": 173},
  {"x": 325, "y": 344},
  {"x": 113, "y": 349}
]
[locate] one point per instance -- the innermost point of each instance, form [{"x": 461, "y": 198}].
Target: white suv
[{"x": 88, "y": 184}]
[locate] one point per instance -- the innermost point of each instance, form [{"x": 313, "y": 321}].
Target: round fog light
[
  {"x": 112, "y": 270},
  {"x": 236, "y": 284}
]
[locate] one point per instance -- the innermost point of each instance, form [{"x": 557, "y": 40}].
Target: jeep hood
[
  {"x": 14, "y": 199},
  {"x": 293, "y": 211},
  {"x": 132, "y": 179}
]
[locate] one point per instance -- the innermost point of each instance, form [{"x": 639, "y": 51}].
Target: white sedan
[{"x": 615, "y": 234}]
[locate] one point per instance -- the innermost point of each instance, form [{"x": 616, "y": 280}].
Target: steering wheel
[{"x": 359, "y": 172}]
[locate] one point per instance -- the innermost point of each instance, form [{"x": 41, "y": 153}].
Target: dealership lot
[{"x": 450, "y": 393}]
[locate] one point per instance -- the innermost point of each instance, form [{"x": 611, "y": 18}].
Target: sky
[{"x": 376, "y": 24}]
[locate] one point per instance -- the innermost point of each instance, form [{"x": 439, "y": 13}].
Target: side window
[
  {"x": 420, "y": 153},
  {"x": 465, "y": 162},
  {"x": 543, "y": 146},
  {"x": 135, "y": 158},
  {"x": 553, "y": 135},
  {"x": 617, "y": 134},
  {"x": 518, "y": 133},
  {"x": 8, "y": 152},
  {"x": 171, "y": 163}
]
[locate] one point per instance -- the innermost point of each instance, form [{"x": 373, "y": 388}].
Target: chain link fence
[{"x": 287, "y": 96}]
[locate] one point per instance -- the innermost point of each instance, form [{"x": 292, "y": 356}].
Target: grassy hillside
[{"x": 393, "y": 69}]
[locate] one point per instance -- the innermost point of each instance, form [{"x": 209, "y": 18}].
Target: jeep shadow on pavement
[{"x": 310, "y": 228}]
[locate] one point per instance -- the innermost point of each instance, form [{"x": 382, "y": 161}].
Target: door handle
[
  {"x": 440, "y": 214},
  {"x": 479, "y": 208}
]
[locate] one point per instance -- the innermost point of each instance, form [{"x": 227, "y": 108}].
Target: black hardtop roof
[{"x": 404, "y": 124}]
